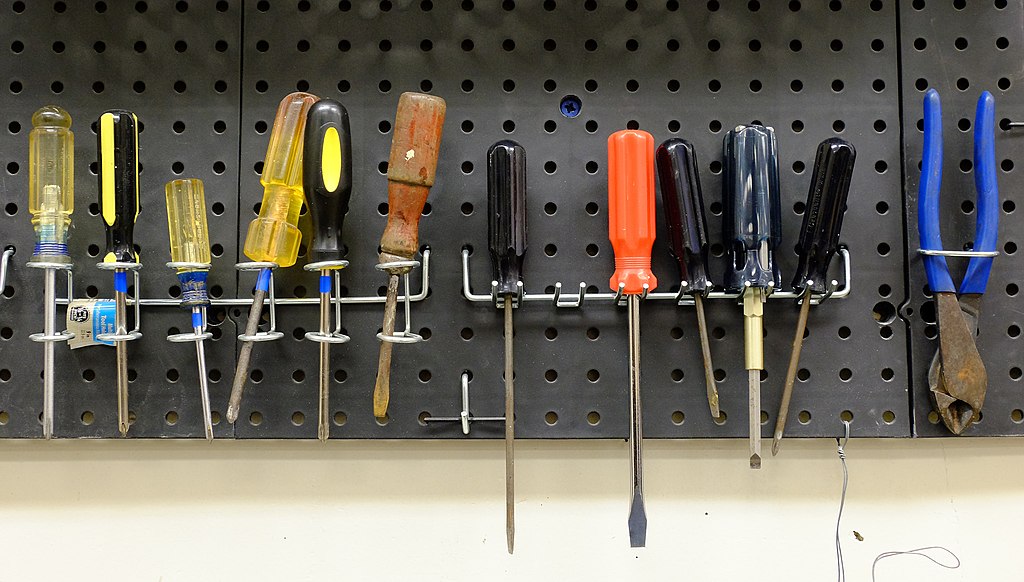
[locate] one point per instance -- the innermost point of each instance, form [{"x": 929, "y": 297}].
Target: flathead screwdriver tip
[
  {"x": 776, "y": 441},
  {"x": 637, "y": 521},
  {"x": 755, "y": 461}
]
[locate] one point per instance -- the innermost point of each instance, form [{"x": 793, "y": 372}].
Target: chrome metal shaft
[
  {"x": 705, "y": 348},
  {"x": 204, "y": 385},
  {"x": 794, "y": 362},
  {"x": 49, "y": 329},
  {"x": 121, "y": 324},
  {"x": 323, "y": 427},
  {"x": 510, "y": 479},
  {"x": 637, "y": 513}
]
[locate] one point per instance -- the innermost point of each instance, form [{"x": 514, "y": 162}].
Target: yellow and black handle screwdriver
[
  {"x": 688, "y": 238},
  {"x": 506, "y": 241},
  {"x": 274, "y": 236},
  {"x": 411, "y": 169},
  {"x": 752, "y": 227},
  {"x": 118, "y": 138},
  {"x": 818, "y": 243},
  {"x": 327, "y": 182}
]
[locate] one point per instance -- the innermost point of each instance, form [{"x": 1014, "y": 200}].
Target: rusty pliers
[{"x": 957, "y": 378}]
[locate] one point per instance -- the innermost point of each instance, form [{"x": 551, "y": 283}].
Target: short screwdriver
[
  {"x": 631, "y": 229},
  {"x": 819, "y": 240},
  {"x": 274, "y": 236},
  {"x": 506, "y": 235},
  {"x": 327, "y": 182},
  {"x": 119, "y": 204},
  {"x": 51, "y": 191},
  {"x": 752, "y": 227},
  {"x": 411, "y": 168},
  {"x": 687, "y": 229},
  {"x": 190, "y": 248}
]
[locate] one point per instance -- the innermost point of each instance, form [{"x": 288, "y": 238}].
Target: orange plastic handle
[{"x": 631, "y": 224}]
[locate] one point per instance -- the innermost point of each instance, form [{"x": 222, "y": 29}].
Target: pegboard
[{"x": 205, "y": 77}]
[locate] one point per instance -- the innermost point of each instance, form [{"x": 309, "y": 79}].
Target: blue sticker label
[
  {"x": 263, "y": 280},
  {"x": 325, "y": 283},
  {"x": 197, "y": 319},
  {"x": 121, "y": 281}
]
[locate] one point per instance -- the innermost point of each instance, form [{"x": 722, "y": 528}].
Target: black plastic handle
[
  {"x": 753, "y": 217},
  {"x": 506, "y": 213},
  {"x": 327, "y": 176},
  {"x": 118, "y": 146},
  {"x": 823, "y": 215},
  {"x": 684, "y": 211}
]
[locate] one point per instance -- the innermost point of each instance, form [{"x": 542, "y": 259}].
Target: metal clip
[
  {"x": 407, "y": 336},
  {"x": 336, "y": 336},
  {"x": 62, "y": 336},
  {"x": 136, "y": 332},
  {"x": 937, "y": 253},
  {"x": 464, "y": 417},
  {"x": 5, "y": 261},
  {"x": 272, "y": 333}
]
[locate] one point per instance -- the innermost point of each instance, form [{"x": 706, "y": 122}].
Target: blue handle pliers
[{"x": 957, "y": 378}]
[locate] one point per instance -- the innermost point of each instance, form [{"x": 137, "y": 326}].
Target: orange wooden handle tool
[{"x": 631, "y": 225}]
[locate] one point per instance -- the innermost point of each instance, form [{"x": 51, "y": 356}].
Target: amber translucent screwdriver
[
  {"x": 327, "y": 180},
  {"x": 411, "y": 167},
  {"x": 819, "y": 240},
  {"x": 506, "y": 241},
  {"x": 688, "y": 239},
  {"x": 752, "y": 223},
  {"x": 631, "y": 229},
  {"x": 274, "y": 236},
  {"x": 118, "y": 139}
]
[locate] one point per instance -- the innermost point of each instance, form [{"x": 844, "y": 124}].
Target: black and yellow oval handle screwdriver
[
  {"x": 327, "y": 182},
  {"x": 119, "y": 206}
]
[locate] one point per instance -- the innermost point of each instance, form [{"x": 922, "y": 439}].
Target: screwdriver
[
  {"x": 411, "y": 167},
  {"x": 752, "y": 229},
  {"x": 119, "y": 201},
  {"x": 327, "y": 181},
  {"x": 819, "y": 239},
  {"x": 631, "y": 229},
  {"x": 190, "y": 247},
  {"x": 687, "y": 229},
  {"x": 273, "y": 237},
  {"x": 51, "y": 201},
  {"x": 506, "y": 234}
]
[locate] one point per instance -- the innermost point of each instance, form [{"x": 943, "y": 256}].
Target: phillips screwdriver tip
[{"x": 755, "y": 461}]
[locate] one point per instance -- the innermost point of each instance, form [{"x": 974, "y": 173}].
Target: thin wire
[
  {"x": 840, "y": 443},
  {"x": 917, "y": 552}
]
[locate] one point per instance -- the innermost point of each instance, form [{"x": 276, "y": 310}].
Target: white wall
[{"x": 177, "y": 511}]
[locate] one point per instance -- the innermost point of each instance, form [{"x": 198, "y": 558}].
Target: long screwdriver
[
  {"x": 506, "y": 236},
  {"x": 51, "y": 192},
  {"x": 631, "y": 229},
  {"x": 752, "y": 229},
  {"x": 819, "y": 240},
  {"x": 411, "y": 167},
  {"x": 327, "y": 182},
  {"x": 190, "y": 247},
  {"x": 274, "y": 236},
  {"x": 687, "y": 230},
  {"x": 119, "y": 202}
]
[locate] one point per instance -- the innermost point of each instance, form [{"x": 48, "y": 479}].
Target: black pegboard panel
[{"x": 961, "y": 49}]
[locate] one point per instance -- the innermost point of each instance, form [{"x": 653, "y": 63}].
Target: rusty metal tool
[
  {"x": 687, "y": 230},
  {"x": 819, "y": 240},
  {"x": 752, "y": 227},
  {"x": 411, "y": 168},
  {"x": 957, "y": 379}
]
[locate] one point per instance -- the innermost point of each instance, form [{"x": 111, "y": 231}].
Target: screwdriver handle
[
  {"x": 631, "y": 208},
  {"x": 189, "y": 235},
  {"x": 684, "y": 211},
  {"x": 752, "y": 216},
  {"x": 823, "y": 213},
  {"x": 411, "y": 167},
  {"x": 327, "y": 175},
  {"x": 506, "y": 213},
  {"x": 118, "y": 139}
]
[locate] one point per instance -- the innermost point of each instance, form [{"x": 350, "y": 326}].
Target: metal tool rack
[{"x": 204, "y": 78}]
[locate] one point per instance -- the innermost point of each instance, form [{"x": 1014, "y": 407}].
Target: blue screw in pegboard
[{"x": 570, "y": 106}]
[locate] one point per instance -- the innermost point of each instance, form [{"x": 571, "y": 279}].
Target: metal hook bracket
[
  {"x": 272, "y": 333},
  {"x": 336, "y": 336},
  {"x": 464, "y": 417},
  {"x": 136, "y": 331},
  {"x": 191, "y": 337},
  {"x": 406, "y": 336}
]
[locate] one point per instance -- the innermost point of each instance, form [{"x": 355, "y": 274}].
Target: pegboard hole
[
  {"x": 884, "y": 312},
  {"x": 933, "y": 417},
  {"x": 551, "y": 375},
  {"x": 550, "y": 333},
  {"x": 883, "y": 249},
  {"x": 678, "y": 417},
  {"x": 1012, "y": 290},
  {"x": 592, "y": 208},
  {"x": 1016, "y": 415},
  {"x": 803, "y": 374},
  {"x": 593, "y": 333},
  {"x": 88, "y": 418},
  {"x": 804, "y": 417},
  {"x": 593, "y": 375},
  {"x": 721, "y": 418},
  {"x": 677, "y": 375},
  {"x": 551, "y": 418},
  {"x": 720, "y": 375},
  {"x": 424, "y": 376},
  {"x": 172, "y": 375},
  {"x": 550, "y": 250},
  {"x": 884, "y": 290},
  {"x": 889, "y": 417},
  {"x": 298, "y": 418},
  {"x": 256, "y": 418},
  {"x": 845, "y": 374},
  {"x": 4, "y": 418},
  {"x": 593, "y": 418},
  {"x": 256, "y": 376},
  {"x": 1002, "y": 43},
  {"x": 1015, "y": 373},
  {"x": 340, "y": 376},
  {"x": 171, "y": 418},
  {"x": 592, "y": 250},
  {"x": 846, "y": 416},
  {"x": 1013, "y": 331}
]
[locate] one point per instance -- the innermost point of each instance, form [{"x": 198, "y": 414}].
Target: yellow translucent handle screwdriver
[
  {"x": 190, "y": 255},
  {"x": 274, "y": 236}
]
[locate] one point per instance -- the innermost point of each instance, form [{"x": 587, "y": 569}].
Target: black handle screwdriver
[
  {"x": 506, "y": 236},
  {"x": 753, "y": 230},
  {"x": 819, "y": 240},
  {"x": 327, "y": 182},
  {"x": 687, "y": 230}
]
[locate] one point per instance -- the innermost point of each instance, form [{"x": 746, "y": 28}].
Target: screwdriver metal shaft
[
  {"x": 252, "y": 325},
  {"x": 753, "y": 334},
  {"x": 382, "y": 387},
  {"x": 323, "y": 426},
  {"x": 121, "y": 325},
  {"x": 49, "y": 330},
  {"x": 637, "y": 513},
  {"x": 204, "y": 385},
  {"x": 794, "y": 362},
  {"x": 510, "y": 479}
]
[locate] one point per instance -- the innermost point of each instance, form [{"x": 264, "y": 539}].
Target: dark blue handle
[
  {"x": 928, "y": 196},
  {"x": 986, "y": 230}
]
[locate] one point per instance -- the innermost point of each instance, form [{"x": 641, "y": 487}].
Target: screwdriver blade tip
[
  {"x": 755, "y": 461},
  {"x": 775, "y": 444},
  {"x": 232, "y": 414},
  {"x": 637, "y": 522}
]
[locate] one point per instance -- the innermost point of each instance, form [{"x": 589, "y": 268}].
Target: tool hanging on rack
[
  {"x": 752, "y": 228},
  {"x": 957, "y": 379},
  {"x": 118, "y": 139},
  {"x": 273, "y": 238},
  {"x": 411, "y": 168},
  {"x": 506, "y": 236},
  {"x": 819, "y": 240},
  {"x": 327, "y": 182},
  {"x": 688, "y": 240},
  {"x": 51, "y": 201},
  {"x": 631, "y": 229},
  {"x": 190, "y": 256}
]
